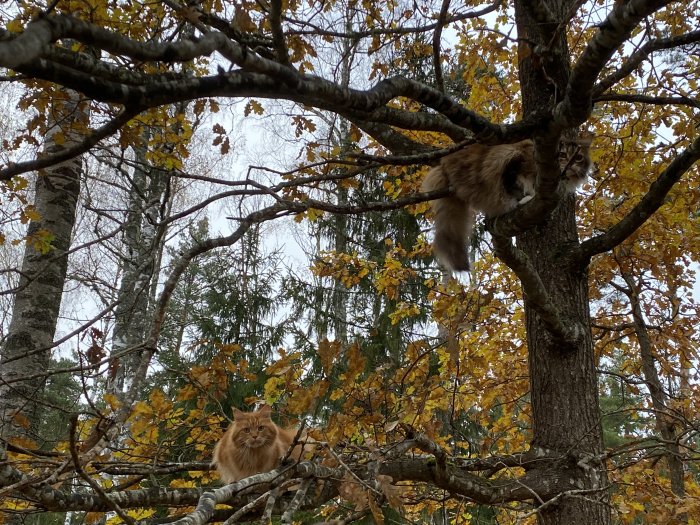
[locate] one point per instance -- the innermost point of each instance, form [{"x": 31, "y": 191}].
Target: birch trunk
[
  {"x": 142, "y": 246},
  {"x": 27, "y": 349}
]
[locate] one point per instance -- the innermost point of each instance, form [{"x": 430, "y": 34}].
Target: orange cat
[{"x": 253, "y": 444}]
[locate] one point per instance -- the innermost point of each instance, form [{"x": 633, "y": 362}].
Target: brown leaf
[
  {"x": 20, "y": 419},
  {"x": 374, "y": 508},
  {"x": 350, "y": 490},
  {"x": 390, "y": 491}
]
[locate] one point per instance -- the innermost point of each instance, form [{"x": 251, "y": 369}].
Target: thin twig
[{"x": 95, "y": 486}]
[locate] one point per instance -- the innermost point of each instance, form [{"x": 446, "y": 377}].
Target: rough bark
[
  {"x": 27, "y": 350},
  {"x": 564, "y": 393}
]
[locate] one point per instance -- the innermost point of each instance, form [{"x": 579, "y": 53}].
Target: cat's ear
[
  {"x": 238, "y": 414},
  {"x": 265, "y": 411}
]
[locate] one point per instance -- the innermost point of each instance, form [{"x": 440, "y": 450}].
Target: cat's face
[
  {"x": 574, "y": 160},
  {"x": 253, "y": 429}
]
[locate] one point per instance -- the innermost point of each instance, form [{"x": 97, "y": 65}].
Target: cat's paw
[{"x": 526, "y": 198}]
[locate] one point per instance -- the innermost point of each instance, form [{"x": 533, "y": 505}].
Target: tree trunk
[
  {"x": 27, "y": 350},
  {"x": 563, "y": 381},
  {"x": 143, "y": 244},
  {"x": 665, "y": 419}
]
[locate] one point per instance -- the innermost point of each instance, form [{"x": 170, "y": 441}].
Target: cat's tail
[{"x": 454, "y": 223}]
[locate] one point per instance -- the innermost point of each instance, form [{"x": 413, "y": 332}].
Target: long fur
[
  {"x": 252, "y": 444},
  {"x": 492, "y": 180}
]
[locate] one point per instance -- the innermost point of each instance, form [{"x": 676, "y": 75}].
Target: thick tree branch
[
  {"x": 278, "y": 33},
  {"x": 568, "y": 331},
  {"x": 646, "y": 207},
  {"x": 358, "y": 105},
  {"x": 544, "y": 481},
  {"x": 631, "y": 64},
  {"x": 540, "y": 483},
  {"x": 260, "y": 77},
  {"x": 33, "y": 43},
  {"x": 613, "y": 32}
]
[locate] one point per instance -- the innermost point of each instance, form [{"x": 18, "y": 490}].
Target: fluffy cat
[
  {"x": 252, "y": 444},
  {"x": 492, "y": 180}
]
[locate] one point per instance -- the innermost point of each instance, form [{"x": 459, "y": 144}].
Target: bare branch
[
  {"x": 403, "y": 30},
  {"x": 639, "y": 56},
  {"x": 437, "y": 35},
  {"x": 649, "y": 99},
  {"x": 430, "y": 157},
  {"x": 416, "y": 198}
]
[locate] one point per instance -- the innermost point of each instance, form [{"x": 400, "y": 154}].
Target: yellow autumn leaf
[{"x": 112, "y": 401}]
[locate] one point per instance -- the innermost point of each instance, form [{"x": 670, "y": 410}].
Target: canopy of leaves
[{"x": 415, "y": 384}]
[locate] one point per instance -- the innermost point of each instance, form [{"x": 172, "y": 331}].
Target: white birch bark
[
  {"x": 142, "y": 247},
  {"x": 27, "y": 349}
]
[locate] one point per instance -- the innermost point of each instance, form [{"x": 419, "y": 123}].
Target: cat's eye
[
  {"x": 261, "y": 428},
  {"x": 578, "y": 157},
  {"x": 246, "y": 430}
]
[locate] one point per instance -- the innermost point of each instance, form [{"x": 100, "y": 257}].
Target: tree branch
[
  {"x": 83, "y": 146},
  {"x": 339, "y": 209},
  {"x": 613, "y": 32},
  {"x": 259, "y": 77},
  {"x": 390, "y": 138},
  {"x": 648, "y": 99},
  {"x": 639, "y": 56},
  {"x": 278, "y": 33},
  {"x": 402, "y": 30},
  {"x": 437, "y": 35},
  {"x": 568, "y": 331},
  {"x": 650, "y": 202}
]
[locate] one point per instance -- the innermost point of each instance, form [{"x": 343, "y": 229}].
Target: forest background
[{"x": 158, "y": 156}]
